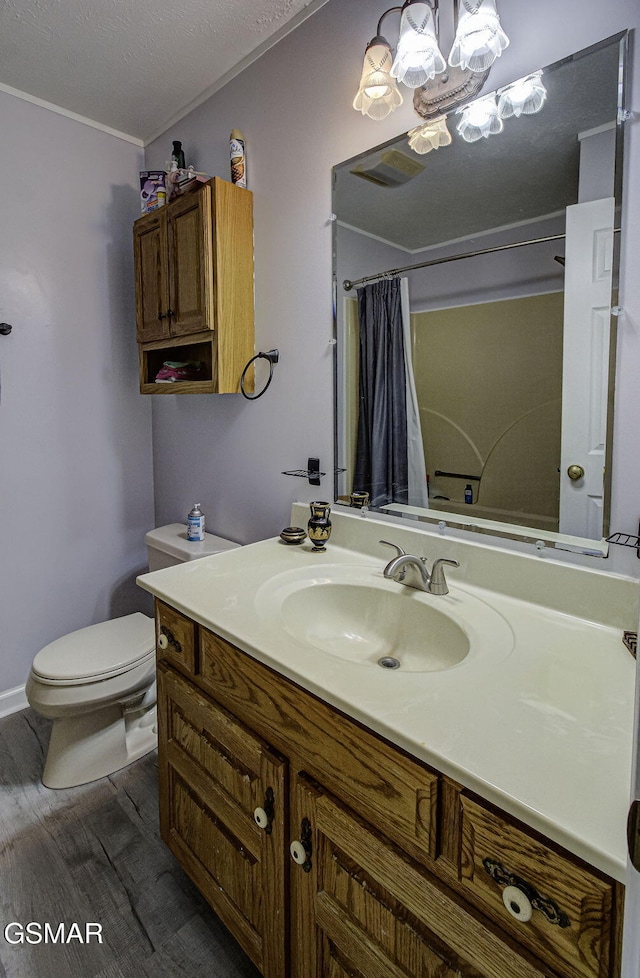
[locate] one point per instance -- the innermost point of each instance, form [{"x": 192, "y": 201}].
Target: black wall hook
[{"x": 5, "y": 329}]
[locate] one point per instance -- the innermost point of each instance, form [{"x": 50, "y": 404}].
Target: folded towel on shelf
[{"x": 175, "y": 370}]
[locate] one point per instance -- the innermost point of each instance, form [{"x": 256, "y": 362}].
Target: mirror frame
[{"x": 509, "y": 531}]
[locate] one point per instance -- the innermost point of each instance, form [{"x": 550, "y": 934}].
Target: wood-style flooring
[{"x": 93, "y": 855}]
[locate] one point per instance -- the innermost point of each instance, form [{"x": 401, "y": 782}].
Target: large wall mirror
[{"x": 498, "y": 259}]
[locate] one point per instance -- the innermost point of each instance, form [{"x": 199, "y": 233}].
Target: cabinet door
[
  {"x": 214, "y": 775},
  {"x": 191, "y": 282},
  {"x": 152, "y": 293},
  {"x": 359, "y": 909}
]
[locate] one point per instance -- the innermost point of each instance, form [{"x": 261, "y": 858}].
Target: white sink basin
[
  {"x": 354, "y": 613},
  {"x": 368, "y": 625}
]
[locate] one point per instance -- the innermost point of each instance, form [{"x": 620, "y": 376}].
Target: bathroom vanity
[{"x": 459, "y": 815}]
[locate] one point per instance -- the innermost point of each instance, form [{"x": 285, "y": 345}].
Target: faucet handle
[
  {"x": 438, "y": 583},
  {"x": 400, "y": 553},
  {"x": 399, "y": 550}
]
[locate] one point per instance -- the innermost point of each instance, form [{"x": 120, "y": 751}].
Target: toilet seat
[{"x": 97, "y": 652}]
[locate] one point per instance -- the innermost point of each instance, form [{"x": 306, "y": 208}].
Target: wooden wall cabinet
[
  {"x": 391, "y": 871},
  {"x": 194, "y": 288}
]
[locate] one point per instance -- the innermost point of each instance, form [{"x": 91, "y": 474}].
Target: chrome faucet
[{"x": 412, "y": 571}]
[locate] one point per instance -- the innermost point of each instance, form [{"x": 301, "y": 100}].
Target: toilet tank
[{"x": 168, "y": 545}]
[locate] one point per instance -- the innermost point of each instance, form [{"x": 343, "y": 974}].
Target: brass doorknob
[{"x": 575, "y": 472}]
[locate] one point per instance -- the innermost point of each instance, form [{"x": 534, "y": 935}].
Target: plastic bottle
[
  {"x": 468, "y": 493},
  {"x": 195, "y": 524},
  {"x": 238, "y": 158}
]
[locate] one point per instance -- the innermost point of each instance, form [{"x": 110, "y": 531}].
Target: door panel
[
  {"x": 152, "y": 297},
  {"x": 190, "y": 261},
  {"x": 585, "y": 357},
  {"x": 213, "y": 774}
]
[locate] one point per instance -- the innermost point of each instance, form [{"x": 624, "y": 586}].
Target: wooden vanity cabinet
[
  {"x": 388, "y": 876},
  {"x": 194, "y": 287}
]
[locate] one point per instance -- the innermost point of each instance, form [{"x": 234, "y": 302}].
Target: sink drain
[{"x": 389, "y": 662}]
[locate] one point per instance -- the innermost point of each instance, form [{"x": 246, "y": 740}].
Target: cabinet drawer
[
  {"x": 555, "y": 906},
  {"x": 378, "y": 781},
  {"x": 175, "y": 638}
]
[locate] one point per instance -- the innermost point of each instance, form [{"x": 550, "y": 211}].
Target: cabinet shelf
[{"x": 200, "y": 346}]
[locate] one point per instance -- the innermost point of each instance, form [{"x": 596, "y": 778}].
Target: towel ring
[{"x": 272, "y": 356}]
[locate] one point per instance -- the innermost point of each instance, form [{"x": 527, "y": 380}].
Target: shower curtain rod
[{"x": 347, "y": 285}]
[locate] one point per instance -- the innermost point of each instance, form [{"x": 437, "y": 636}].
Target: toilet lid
[{"x": 98, "y": 651}]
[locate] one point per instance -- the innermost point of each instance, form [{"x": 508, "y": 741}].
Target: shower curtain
[{"x": 389, "y": 453}]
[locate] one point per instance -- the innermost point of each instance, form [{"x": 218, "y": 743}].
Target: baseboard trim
[{"x": 12, "y": 701}]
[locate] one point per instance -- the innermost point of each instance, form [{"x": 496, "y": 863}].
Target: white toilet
[{"x": 98, "y": 684}]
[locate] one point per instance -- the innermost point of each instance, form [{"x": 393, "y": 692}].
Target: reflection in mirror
[{"x": 474, "y": 356}]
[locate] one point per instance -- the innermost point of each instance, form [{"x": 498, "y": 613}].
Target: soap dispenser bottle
[
  {"x": 195, "y": 524},
  {"x": 468, "y": 493}
]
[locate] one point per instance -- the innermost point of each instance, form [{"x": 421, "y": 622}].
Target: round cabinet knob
[
  {"x": 261, "y": 818},
  {"x": 575, "y": 472},
  {"x": 163, "y": 642},
  {"x": 298, "y": 853},
  {"x": 517, "y": 903}
]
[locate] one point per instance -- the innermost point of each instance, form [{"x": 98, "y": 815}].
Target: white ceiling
[{"x": 135, "y": 65}]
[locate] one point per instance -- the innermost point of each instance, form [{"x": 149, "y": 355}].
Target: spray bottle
[
  {"x": 195, "y": 524},
  {"x": 238, "y": 158}
]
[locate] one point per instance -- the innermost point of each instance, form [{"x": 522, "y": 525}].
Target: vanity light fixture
[
  {"x": 479, "y": 38},
  {"x": 479, "y": 119},
  {"x": 418, "y": 56},
  {"x": 378, "y": 94},
  {"x": 418, "y": 61},
  {"x": 430, "y": 135},
  {"x": 483, "y": 117},
  {"x": 526, "y": 96}
]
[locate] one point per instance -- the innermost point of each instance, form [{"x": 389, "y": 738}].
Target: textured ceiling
[{"x": 134, "y": 65}]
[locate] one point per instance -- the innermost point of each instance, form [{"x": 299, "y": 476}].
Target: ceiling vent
[{"x": 390, "y": 168}]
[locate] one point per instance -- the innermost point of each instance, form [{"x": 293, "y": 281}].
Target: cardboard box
[{"x": 153, "y": 191}]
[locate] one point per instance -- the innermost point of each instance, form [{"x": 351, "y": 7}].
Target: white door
[{"x": 585, "y": 373}]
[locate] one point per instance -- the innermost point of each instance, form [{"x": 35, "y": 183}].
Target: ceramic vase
[
  {"x": 319, "y": 526},
  {"x": 359, "y": 500}
]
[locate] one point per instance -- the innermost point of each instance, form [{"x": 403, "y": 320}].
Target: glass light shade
[
  {"x": 430, "y": 135},
  {"x": 479, "y": 119},
  {"x": 418, "y": 57},
  {"x": 479, "y": 39},
  {"x": 378, "y": 94},
  {"x": 526, "y": 96}
]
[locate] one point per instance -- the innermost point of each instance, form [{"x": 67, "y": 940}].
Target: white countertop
[{"x": 544, "y": 730}]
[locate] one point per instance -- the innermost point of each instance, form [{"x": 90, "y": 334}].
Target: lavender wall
[
  {"x": 294, "y": 106},
  {"x": 75, "y": 436}
]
